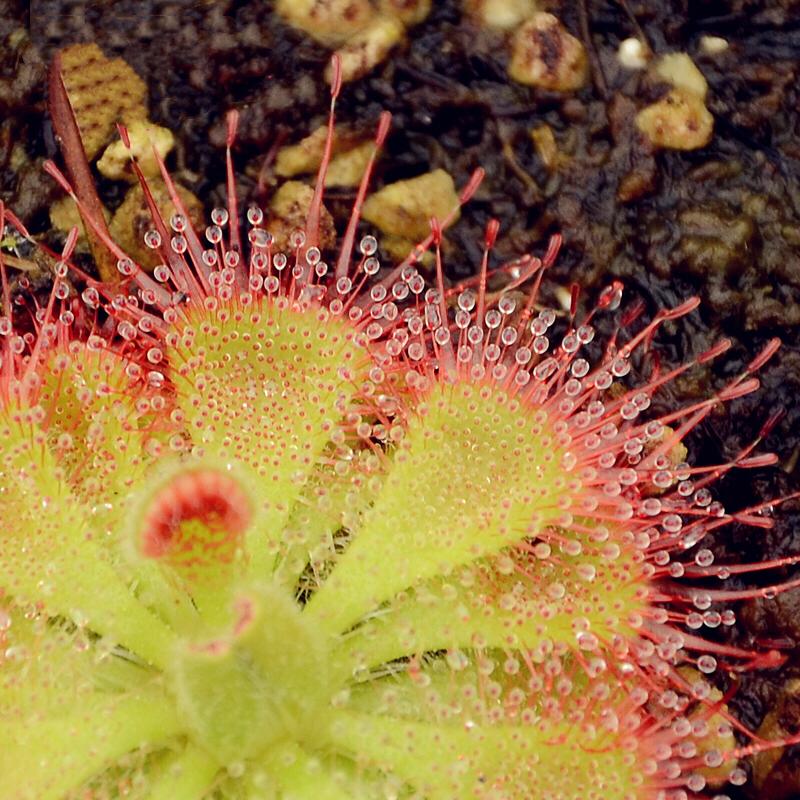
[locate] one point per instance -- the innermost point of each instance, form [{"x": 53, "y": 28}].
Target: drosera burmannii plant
[{"x": 294, "y": 525}]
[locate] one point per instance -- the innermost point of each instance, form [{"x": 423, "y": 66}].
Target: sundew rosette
[{"x": 291, "y": 525}]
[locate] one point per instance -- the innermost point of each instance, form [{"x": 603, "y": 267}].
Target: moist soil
[{"x": 722, "y": 223}]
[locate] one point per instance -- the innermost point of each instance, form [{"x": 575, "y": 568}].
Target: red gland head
[{"x": 199, "y": 517}]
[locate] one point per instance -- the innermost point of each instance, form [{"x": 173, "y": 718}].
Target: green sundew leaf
[
  {"x": 42, "y": 758},
  {"x": 99, "y": 423},
  {"x": 292, "y": 771},
  {"x": 479, "y": 688},
  {"x": 183, "y": 775},
  {"x": 473, "y": 727},
  {"x": 513, "y": 601},
  {"x": 503, "y": 761},
  {"x": 475, "y": 473},
  {"x": 332, "y": 500},
  {"x": 267, "y": 386},
  {"x": 128, "y": 777},
  {"x": 42, "y": 656},
  {"x": 255, "y": 784},
  {"x": 302, "y": 776},
  {"x": 52, "y": 552},
  {"x": 92, "y": 421}
]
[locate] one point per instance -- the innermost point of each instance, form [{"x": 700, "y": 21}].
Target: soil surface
[{"x": 722, "y": 222}]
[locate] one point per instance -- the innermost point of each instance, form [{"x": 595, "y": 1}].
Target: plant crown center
[{"x": 262, "y": 682}]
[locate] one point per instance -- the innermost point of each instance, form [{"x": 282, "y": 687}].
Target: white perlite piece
[
  {"x": 632, "y": 54},
  {"x": 330, "y": 22},
  {"x": 115, "y": 163},
  {"x": 367, "y": 48},
  {"x": 546, "y": 55},
  {"x": 405, "y": 208},
  {"x": 680, "y": 119},
  {"x": 713, "y": 45},
  {"x": 679, "y": 70},
  {"x": 500, "y": 14}
]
